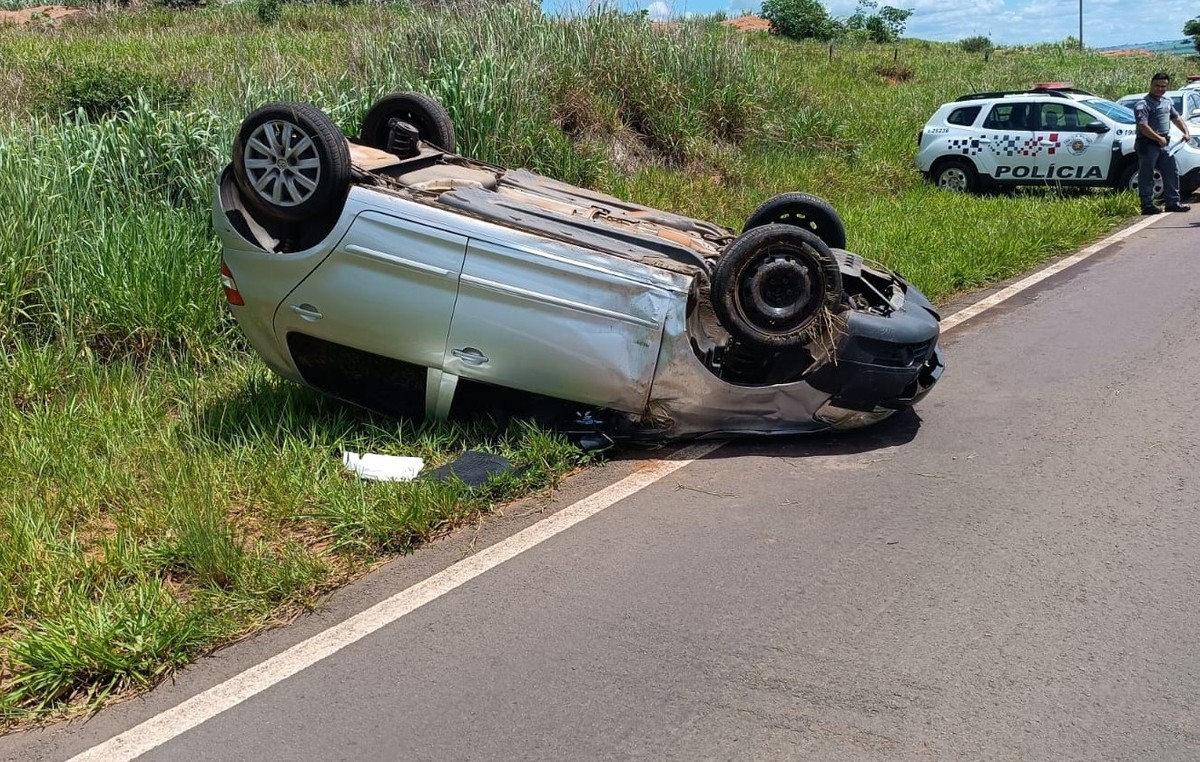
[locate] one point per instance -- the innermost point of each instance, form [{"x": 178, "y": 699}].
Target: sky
[{"x": 1106, "y": 23}]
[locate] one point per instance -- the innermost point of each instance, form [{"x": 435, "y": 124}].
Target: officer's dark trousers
[{"x": 1151, "y": 157}]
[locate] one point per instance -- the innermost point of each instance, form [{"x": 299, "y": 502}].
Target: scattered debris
[
  {"x": 382, "y": 468},
  {"x": 474, "y": 468},
  {"x": 680, "y": 486}
]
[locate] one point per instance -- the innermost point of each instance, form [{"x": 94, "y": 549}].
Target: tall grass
[
  {"x": 160, "y": 492},
  {"x": 111, "y": 250}
]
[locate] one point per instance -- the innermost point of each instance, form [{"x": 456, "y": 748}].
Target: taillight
[
  {"x": 919, "y": 134},
  {"x": 232, "y": 295}
]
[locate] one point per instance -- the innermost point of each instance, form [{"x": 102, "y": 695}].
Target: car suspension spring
[{"x": 402, "y": 139}]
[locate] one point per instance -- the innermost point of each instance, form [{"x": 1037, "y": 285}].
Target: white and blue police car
[{"x": 1052, "y": 134}]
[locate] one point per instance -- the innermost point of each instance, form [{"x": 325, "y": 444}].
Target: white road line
[
  {"x": 163, "y": 727},
  {"x": 175, "y": 721},
  {"x": 984, "y": 305}
]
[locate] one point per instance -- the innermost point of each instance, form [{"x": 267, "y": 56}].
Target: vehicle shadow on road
[
  {"x": 282, "y": 412},
  {"x": 900, "y": 429}
]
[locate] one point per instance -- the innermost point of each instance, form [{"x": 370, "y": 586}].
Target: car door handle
[
  {"x": 470, "y": 355},
  {"x": 983, "y": 140},
  {"x": 1049, "y": 143},
  {"x": 307, "y": 312}
]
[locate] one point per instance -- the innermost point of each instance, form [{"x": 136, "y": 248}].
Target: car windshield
[{"x": 1113, "y": 111}]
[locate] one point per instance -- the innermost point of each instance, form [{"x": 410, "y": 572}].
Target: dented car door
[
  {"x": 549, "y": 325},
  {"x": 387, "y": 288}
]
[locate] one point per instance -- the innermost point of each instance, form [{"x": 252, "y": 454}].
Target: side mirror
[{"x": 1097, "y": 127}]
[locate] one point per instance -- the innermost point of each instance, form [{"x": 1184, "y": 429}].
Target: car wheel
[
  {"x": 803, "y": 210},
  {"x": 772, "y": 285},
  {"x": 1129, "y": 180},
  {"x": 956, "y": 175},
  {"x": 428, "y": 117},
  {"x": 291, "y": 162}
]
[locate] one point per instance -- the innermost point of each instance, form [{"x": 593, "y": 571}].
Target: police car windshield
[{"x": 1113, "y": 111}]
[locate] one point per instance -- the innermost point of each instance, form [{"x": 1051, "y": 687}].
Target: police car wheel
[
  {"x": 802, "y": 210},
  {"x": 1129, "y": 180},
  {"x": 956, "y": 175},
  {"x": 773, "y": 284}
]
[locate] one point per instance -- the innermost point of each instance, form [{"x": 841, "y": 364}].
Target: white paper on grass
[{"x": 382, "y": 468}]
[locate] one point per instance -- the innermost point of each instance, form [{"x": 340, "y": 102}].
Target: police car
[
  {"x": 1185, "y": 101},
  {"x": 1051, "y": 134}
]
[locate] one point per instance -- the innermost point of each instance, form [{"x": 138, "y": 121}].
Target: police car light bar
[{"x": 1053, "y": 85}]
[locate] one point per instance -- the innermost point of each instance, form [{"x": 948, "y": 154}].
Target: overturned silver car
[{"x": 392, "y": 273}]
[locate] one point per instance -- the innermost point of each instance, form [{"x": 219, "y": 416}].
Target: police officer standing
[{"x": 1154, "y": 117}]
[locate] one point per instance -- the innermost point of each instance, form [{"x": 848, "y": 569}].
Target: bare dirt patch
[
  {"x": 37, "y": 14},
  {"x": 749, "y": 24},
  {"x": 1127, "y": 52}
]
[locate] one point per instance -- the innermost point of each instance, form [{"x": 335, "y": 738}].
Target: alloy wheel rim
[{"x": 282, "y": 163}]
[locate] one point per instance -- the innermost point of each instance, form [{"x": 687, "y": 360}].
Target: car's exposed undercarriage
[{"x": 791, "y": 331}]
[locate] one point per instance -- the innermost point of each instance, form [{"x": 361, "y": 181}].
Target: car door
[
  {"x": 1007, "y": 142},
  {"x": 1067, "y": 152},
  {"x": 387, "y": 288},
  {"x": 585, "y": 331}
]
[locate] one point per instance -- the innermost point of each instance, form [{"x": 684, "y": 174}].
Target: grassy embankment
[{"x": 160, "y": 492}]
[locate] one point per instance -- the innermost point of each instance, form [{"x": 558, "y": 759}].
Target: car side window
[
  {"x": 1050, "y": 116},
  {"x": 964, "y": 117},
  {"x": 1008, "y": 116},
  {"x": 1060, "y": 116}
]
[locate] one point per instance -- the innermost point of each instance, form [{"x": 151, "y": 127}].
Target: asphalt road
[{"x": 1009, "y": 573}]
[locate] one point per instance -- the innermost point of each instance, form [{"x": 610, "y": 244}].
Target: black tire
[
  {"x": 772, "y": 284},
  {"x": 802, "y": 210},
  {"x": 429, "y": 117},
  {"x": 1129, "y": 181},
  {"x": 956, "y": 175},
  {"x": 291, "y": 162}
]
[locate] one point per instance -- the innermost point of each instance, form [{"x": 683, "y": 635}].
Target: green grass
[
  {"x": 161, "y": 493},
  {"x": 152, "y": 513}
]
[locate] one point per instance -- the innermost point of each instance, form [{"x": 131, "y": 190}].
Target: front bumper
[{"x": 882, "y": 363}]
